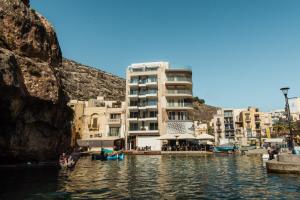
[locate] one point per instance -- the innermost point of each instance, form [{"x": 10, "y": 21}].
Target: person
[
  {"x": 271, "y": 155},
  {"x": 63, "y": 159}
]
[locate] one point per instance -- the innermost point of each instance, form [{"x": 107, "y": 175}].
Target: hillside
[{"x": 82, "y": 82}]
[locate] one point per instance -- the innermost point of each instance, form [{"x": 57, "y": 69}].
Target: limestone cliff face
[
  {"x": 34, "y": 118},
  {"x": 83, "y": 83}
]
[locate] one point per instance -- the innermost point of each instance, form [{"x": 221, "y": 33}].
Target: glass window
[
  {"x": 133, "y": 92},
  {"x": 133, "y": 126},
  {"x": 133, "y": 114},
  {"x": 114, "y": 131},
  {"x": 153, "y": 126},
  {"x": 95, "y": 122},
  {"x": 115, "y": 116},
  {"x": 172, "y": 115},
  {"x": 152, "y": 102},
  {"x": 182, "y": 116},
  {"x": 153, "y": 113},
  {"x": 134, "y": 80}
]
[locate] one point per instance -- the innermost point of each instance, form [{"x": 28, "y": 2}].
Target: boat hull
[
  {"x": 112, "y": 157},
  {"x": 224, "y": 148}
]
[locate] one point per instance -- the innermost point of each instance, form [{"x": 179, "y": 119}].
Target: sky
[{"x": 241, "y": 51}]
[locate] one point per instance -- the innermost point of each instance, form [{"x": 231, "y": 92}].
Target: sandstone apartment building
[
  {"x": 159, "y": 101},
  {"x": 99, "y": 123}
]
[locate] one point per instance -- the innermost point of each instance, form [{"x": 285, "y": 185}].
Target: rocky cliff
[
  {"x": 83, "y": 82},
  {"x": 34, "y": 118}
]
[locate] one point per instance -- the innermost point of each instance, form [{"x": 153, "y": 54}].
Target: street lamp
[{"x": 285, "y": 91}]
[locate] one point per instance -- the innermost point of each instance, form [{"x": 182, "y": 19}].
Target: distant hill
[
  {"x": 82, "y": 82},
  {"x": 203, "y": 112}
]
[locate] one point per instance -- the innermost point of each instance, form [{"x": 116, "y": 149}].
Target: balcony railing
[
  {"x": 179, "y": 78},
  {"x": 114, "y": 121},
  {"x": 189, "y": 92},
  {"x": 179, "y": 105}
]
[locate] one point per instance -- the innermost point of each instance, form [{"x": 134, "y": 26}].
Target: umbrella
[{"x": 205, "y": 136}]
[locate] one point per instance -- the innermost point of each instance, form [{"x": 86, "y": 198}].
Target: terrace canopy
[
  {"x": 205, "y": 136},
  {"x": 167, "y": 137}
]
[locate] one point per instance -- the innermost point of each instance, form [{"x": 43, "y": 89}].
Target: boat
[
  {"x": 107, "y": 154},
  {"x": 225, "y": 148},
  {"x": 116, "y": 157}
]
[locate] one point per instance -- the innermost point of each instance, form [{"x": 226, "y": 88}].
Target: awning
[
  {"x": 205, "y": 136},
  {"x": 185, "y": 136},
  {"x": 167, "y": 137}
]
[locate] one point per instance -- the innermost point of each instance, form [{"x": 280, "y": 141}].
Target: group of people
[
  {"x": 68, "y": 161},
  {"x": 186, "y": 147}
]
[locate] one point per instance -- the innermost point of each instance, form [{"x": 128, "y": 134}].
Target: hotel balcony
[
  {"x": 248, "y": 119},
  {"x": 218, "y": 123},
  {"x": 147, "y": 119},
  {"x": 133, "y": 94},
  {"x": 149, "y": 94},
  {"x": 178, "y": 80},
  {"x": 175, "y": 106},
  {"x": 114, "y": 121},
  {"x": 131, "y": 107},
  {"x": 132, "y": 119},
  {"x": 135, "y": 132},
  {"x": 179, "y": 93},
  {"x": 219, "y": 130},
  {"x": 133, "y": 84}
]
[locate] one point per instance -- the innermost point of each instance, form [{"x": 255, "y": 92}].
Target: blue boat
[
  {"x": 225, "y": 148},
  {"x": 116, "y": 157},
  {"x": 102, "y": 156}
]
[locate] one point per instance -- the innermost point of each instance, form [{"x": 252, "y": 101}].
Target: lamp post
[{"x": 285, "y": 91}]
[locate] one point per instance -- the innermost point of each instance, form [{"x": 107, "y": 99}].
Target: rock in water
[{"x": 35, "y": 120}]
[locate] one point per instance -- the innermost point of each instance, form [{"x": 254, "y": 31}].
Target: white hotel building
[{"x": 159, "y": 101}]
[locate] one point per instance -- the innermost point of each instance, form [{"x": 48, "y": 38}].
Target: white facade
[{"x": 159, "y": 101}]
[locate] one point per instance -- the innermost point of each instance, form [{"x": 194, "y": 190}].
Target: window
[
  {"x": 152, "y": 102},
  {"x": 115, "y": 116},
  {"x": 171, "y": 115},
  {"x": 95, "y": 122},
  {"x": 171, "y": 102},
  {"x": 153, "y": 126},
  {"x": 133, "y": 103},
  {"x": 134, "y": 115},
  {"x": 152, "y": 79},
  {"x": 153, "y": 113},
  {"x": 133, "y": 126},
  {"x": 134, "y": 80},
  {"x": 114, "y": 131},
  {"x": 182, "y": 116},
  {"x": 133, "y": 92}
]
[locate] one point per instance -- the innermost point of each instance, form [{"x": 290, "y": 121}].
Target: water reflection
[{"x": 152, "y": 177}]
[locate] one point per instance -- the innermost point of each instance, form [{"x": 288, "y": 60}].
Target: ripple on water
[{"x": 153, "y": 177}]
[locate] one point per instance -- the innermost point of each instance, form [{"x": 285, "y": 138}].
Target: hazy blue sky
[{"x": 241, "y": 52}]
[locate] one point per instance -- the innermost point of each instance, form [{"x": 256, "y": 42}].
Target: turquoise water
[{"x": 153, "y": 177}]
